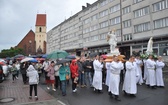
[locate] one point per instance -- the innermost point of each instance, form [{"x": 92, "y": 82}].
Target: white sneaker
[
  {"x": 16, "y": 77},
  {"x": 54, "y": 89},
  {"x": 74, "y": 90},
  {"x": 48, "y": 88}
]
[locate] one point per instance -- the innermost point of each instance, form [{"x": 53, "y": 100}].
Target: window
[
  {"x": 142, "y": 27},
  {"x": 161, "y": 23},
  {"x": 115, "y": 20},
  {"x": 94, "y": 38},
  {"x": 103, "y": 36},
  {"x": 141, "y": 12},
  {"x": 115, "y": 8},
  {"x": 137, "y": 1},
  {"x": 127, "y": 23},
  {"x": 86, "y": 30},
  {"x": 127, "y": 37},
  {"x": 103, "y": 3},
  {"x": 118, "y": 32},
  {"x": 103, "y": 13},
  {"x": 86, "y": 20},
  {"x": 160, "y": 5},
  {"x": 126, "y": 10},
  {"x": 94, "y": 27},
  {"x": 94, "y": 17},
  {"x": 104, "y": 24},
  {"x": 40, "y": 30}
]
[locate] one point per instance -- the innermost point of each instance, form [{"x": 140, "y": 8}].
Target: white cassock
[
  {"x": 97, "y": 78},
  {"x": 145, "y": 69},
  {"x": 129, "y": 85},
  {"x": 139, "y": 77},
  {"x": 108, "y": 73},
  {"x": 115, "y": 69},
  {"x": 150, "y": 65},
  {"x": 159, "y": 74}
]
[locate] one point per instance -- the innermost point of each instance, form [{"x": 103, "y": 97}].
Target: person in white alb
[
  {"x": 129, "y": 86},
  {"x": 150, "y": 65},
  {"x": 107, "y": 73},
  {"x": 97, "y": 78},
  {"x": 159, "y": 73},
  {"x": 139, "y": 64},
  {"x": 115, "y": 68}
]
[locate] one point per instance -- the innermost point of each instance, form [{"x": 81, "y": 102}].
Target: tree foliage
[{"x": 11, "y": 52}]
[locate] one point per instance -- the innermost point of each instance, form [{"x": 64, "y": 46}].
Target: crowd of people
[{"x": 93, "y": 72}]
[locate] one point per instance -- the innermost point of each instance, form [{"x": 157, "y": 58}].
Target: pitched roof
[
  {"x": 30, "y": 33},
  {"x": 41, "y": 20}
]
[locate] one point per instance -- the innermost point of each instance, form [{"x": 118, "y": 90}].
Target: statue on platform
[
  {"x": 150, "y": 46},
  {"x": 112, "y": 40}
]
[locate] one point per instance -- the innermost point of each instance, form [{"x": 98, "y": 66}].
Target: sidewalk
[{"x": 20, "y": 93}]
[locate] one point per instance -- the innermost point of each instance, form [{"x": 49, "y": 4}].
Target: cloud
[{"x": 19, "y": 16}]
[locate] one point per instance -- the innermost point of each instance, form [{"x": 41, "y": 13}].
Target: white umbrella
[{"x": 26, "y": 59}]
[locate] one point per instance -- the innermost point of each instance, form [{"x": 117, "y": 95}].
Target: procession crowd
[{"x": 93, "y": 72}]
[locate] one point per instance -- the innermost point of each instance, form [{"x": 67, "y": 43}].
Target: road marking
[{"x": 61, "y": 102}]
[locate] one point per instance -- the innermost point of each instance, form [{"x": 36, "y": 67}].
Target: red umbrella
[
  {"x": 40, "y": 59},
  {"x": 2, "y": 63},
  {"x": 104, "y": 56}
]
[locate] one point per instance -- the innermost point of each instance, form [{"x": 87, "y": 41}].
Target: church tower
[{"x": 40, "y": 34}]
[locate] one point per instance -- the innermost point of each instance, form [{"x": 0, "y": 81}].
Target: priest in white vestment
[
  {"x": 129, "y": 86},
  {"x": 107, "y": 73},
  {"x": 97, "y": 78},
  {"x": 115, "y": 69},
  {"x": 139, "y": 64},
  {"x": 150, "y": 64},
  {"x": 159, "y": 73}
]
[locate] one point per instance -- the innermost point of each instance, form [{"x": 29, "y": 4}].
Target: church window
[{"x": 40, "y": 30}]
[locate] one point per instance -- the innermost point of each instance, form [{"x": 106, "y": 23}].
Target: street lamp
[{"x": 30, "y": 47}]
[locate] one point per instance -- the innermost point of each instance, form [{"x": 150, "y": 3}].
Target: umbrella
[
  {"x": 33, "y": 60},
  {"x": 44, "y": 56},
  {"x": 2, "y": 63},
  {"x": 33, "y": 56},
  {"x": 104, "y": 56},
  {"x": 93, "y": 54},
  {"x": 40, "y": 59},
  {"x": 18, "y": 56},
  {"x": 57, "y": 54},
  {"x": 70, "y": 57},
  {"x": 26, "y": 59},
  {"x": 63, "y": 61}
]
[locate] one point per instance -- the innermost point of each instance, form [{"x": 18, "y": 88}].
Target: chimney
[
  {"x": 87, "y": 4},
  {"x": 83, "y": 7}
]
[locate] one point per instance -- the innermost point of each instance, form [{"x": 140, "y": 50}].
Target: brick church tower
[{"x": 40, "y": 34}]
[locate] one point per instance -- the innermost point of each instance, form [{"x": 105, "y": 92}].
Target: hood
[
  {"x": 31, "y": 68},
  {"x": 73, "y": 61}
]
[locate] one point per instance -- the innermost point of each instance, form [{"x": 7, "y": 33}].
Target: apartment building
[{"x": 135, "y": 21}]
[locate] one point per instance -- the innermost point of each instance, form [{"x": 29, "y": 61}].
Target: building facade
[
  {"x": 28, "y": 43},
  {"x": 40, "y": 33},
  {"x": 135, "y": 21}
]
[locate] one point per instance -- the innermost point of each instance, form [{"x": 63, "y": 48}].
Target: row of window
[
  {"x": 160, "y": 5},
  {"x": 104, "y": 24}
]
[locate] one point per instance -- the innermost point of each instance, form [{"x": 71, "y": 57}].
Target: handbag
[{"x": 67, "y": 77}]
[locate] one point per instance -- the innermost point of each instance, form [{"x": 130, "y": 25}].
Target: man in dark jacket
[
  {"x": 81, "y": 72},
  {"x": 88, "y": 68},
  {"x": 23, "y": 71}
]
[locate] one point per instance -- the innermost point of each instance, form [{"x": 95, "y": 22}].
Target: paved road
[{"x": 86, "y": 96}]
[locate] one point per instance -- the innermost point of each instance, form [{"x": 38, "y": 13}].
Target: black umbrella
[
  {"x": 93, "y": 54},
  {"x": 63, "y": 61},
  {"x": 70, "y": 57}
]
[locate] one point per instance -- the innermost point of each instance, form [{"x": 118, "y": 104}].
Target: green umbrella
[{"x": 57, "y": 54}]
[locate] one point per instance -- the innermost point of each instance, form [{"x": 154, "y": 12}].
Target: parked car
[{"x": 5, "y": 70}]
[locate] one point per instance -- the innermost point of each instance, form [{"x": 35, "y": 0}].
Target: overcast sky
[{"x": 17, "y": 17}]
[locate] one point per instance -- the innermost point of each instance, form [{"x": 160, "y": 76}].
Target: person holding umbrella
[
  {"x": 63, "y": 72},
  {"x": 74, "y": 74},
  {"x": 51, "y": 75}
]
